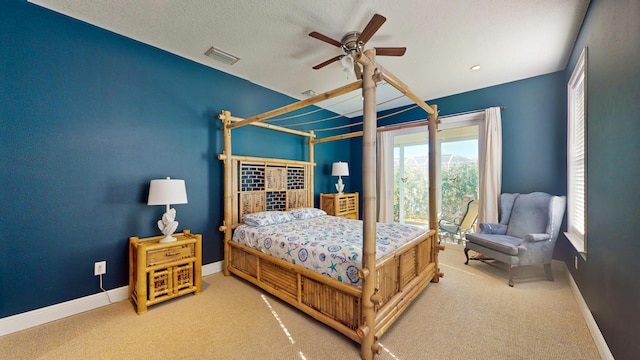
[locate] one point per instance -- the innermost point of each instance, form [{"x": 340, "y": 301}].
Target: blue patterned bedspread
[{"x": 326, "y": 244}]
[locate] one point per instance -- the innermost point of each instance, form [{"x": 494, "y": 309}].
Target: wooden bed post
[
  {"x": 228, "y": 196},
  {"x": 433, "y": 161},
  {"x": 433, "y": 187},
  {"x": 310, "y": 194},
  {"x": 369, "y": 128}
]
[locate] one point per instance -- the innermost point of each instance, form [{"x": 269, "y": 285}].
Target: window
[
  {"x": 576, "y": 156},
  {"x": 458, "y": 138}
]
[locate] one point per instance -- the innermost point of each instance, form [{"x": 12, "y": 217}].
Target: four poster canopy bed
[{"x": 334, "y": 270}]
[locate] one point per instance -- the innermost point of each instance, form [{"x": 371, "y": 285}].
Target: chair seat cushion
[
  {"x": 449, "y": 228},
  {"x": 502, "y": 243}
]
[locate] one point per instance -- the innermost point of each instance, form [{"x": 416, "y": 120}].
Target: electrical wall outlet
[{"x": 100, "y": 268}]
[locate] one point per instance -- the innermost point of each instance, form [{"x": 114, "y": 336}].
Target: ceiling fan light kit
[{"x": 353, "y": 42}]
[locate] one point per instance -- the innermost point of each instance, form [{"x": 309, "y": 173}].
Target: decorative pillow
[
  {"x": 306, "y": 213},
  {"x": 267, "y": 218}
]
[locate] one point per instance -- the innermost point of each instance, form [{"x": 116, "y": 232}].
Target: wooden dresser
[
  {"x": 163, "y": 271},
  {"x": 344, "y": 205}
]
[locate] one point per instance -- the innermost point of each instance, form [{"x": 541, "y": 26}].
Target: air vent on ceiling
[{"x": 220, "y": 55}]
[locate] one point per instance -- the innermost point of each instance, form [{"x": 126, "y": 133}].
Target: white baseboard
[
  {"x": 47, "y": 314},
  {"x": 212, "y": 268},
  {"x": 599, "y": 340},
  {"x": 58, "y": 311}
]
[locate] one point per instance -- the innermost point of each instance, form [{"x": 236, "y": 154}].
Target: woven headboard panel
[{"x": 272, "y": 184}]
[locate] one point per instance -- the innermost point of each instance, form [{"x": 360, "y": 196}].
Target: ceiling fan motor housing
[{"x": 350, "y": 42}]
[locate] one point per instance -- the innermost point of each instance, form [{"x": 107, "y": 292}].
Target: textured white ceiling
[{"x": 510, "y": 39}]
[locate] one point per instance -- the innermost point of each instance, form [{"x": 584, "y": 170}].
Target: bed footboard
[{"x": 401, "y": 278}]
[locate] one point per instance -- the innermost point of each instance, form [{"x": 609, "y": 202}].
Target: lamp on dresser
[
  {"x": 166, "y": 192},
  {"x": 340, "y": 169}
]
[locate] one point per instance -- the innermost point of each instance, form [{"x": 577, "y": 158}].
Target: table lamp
[
  {"x": 165, "y": 192},
  {"x": 340, "y": 169}
]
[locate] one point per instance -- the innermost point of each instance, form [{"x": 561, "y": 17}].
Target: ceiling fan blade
[
  {"x": 325, "y": 38},
  {"x": 358, "y": 71},
  {"x": 371, "y": 28},
  {"x": 390, "y": 51},
  {"x": 323, "y": 64}
]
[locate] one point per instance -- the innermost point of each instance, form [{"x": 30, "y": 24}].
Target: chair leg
[
  {"x": 547, "y": 269},
  {"x": 511, "y": 270},
  {"x": 466, "y": 253}
]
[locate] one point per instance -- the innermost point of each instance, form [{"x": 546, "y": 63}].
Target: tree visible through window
[{"x": 458, "y": 176}]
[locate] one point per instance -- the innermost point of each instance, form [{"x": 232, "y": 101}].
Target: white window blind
[{"x": 576, "y": 156}]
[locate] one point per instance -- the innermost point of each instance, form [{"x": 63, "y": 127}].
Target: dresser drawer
[{"x": 170, "y": 254}]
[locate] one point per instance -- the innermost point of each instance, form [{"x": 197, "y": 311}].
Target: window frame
[{"x": 577, "y": 156}]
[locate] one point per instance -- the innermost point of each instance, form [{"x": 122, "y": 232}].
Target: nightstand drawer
[
  {"x": 347, "y": 203},
  {"x": 351, "y": 215},
  {"x": 174, "y": 253}
]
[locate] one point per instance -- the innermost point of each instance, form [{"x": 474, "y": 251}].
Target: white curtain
[
  {"x": 490, "y": 167},
  {"x": 385, "y": 177}
]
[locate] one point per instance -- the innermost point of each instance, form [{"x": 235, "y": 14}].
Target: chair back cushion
[
  {"x": 530, "y": 215},
  {"x": 506, "y": 205}
]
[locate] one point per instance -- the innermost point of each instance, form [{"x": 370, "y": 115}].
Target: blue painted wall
[
  {"x": 608, "y": 279},
  {"x": 87, "y": 118}
]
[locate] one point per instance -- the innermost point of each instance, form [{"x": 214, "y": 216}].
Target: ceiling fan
[{"x": 354, "y": 41}]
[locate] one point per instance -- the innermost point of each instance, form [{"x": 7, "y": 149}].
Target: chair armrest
[
  {"x": 536, "y": 237},
  {"x": 453, "y": 222},
  {"x": 493, "y": 229}
]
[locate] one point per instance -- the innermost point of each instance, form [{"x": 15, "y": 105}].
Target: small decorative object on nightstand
[
  {"x": 344, "y": 205},
  {"x": 162, "y": 271}
]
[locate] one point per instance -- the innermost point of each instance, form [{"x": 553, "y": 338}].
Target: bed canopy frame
[{"x": 373, "y": 309}]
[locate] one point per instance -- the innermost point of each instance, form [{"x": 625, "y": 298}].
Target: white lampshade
[
  {"x": 340, "y": 169},
  {"x": 167, "y": 191}
]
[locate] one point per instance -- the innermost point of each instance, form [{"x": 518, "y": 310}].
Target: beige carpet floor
[{"x": 471, "y": 314}]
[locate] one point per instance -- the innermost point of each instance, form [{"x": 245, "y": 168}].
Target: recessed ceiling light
[{"x": 475, "y": 67}]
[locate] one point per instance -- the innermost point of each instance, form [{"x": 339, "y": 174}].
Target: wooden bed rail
[
  {"x": 300, "y": 104},
  {"x": 225, "y": 115}
]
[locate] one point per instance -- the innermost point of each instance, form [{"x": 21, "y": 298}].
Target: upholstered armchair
[{"x": 526, "y": 235}]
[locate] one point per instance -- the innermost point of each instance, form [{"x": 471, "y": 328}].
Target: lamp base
[
  {"x": 168, "y": 225},
  {"x": 340, "y": 185},
  {"x": 167, "y": 239}
]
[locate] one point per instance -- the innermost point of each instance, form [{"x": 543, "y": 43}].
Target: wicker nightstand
[
  {"x": 343, "y": 205},
  {"x": 163, "y": 271}
]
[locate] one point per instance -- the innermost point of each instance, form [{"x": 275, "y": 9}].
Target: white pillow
[
  {"x": 265, "y": 218},
  {"x": 307, "y": 213}
]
